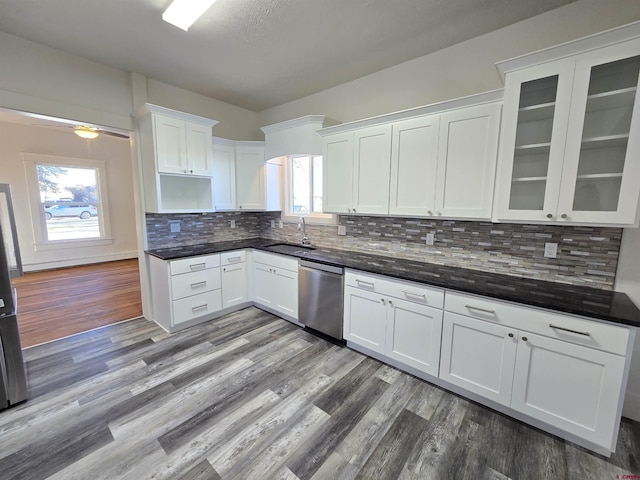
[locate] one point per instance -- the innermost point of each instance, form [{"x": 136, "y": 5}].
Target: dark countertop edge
[{"x": 621, "y": 300}]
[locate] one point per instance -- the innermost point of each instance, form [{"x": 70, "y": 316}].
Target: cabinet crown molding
[
  {"x": 439, "y": 107},
  {"x": 295, "y": 137},
  {"x": 573, "y": 47},
  {"x": 148, "y": 108},
  {"x": 320, "y": 121}
]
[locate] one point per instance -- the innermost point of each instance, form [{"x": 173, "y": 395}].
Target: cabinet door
[
  {"x": 571, "y": 387},
  {"x": 467, "y": 155},
  {"x": 250, "y": 180},
  {"x": 285, "y": 287},
  {"x": 478, "y": 356},
  {"x": 337, "y": 185},
  {"x": 602, "y": 160},
  {"x": 263, "y": 290},
  {"x": 170, "y": 147},
  {"x": 371, "y": 170},
  {"x": 365, "y": 319},
  {"x": 414, "y": 158},
  {"x": 199, "y": 149},
  {"x": 413, "y": 335},
  {"x": 234, "y": 285},
  {"x": 533, "y": 136},
  {"x": 224, "y": 177}
]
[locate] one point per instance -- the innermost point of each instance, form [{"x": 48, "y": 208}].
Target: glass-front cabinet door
[
  {"x": 601, "y": 176},
  {"x": 534, "y": 129},
  {"x": 570, "y": 150}
]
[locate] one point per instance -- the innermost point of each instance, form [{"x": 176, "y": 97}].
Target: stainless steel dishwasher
[{"x": 320, "y": 297}]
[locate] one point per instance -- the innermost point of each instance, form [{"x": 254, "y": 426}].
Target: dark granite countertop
[{"x": 589, "y": 302}]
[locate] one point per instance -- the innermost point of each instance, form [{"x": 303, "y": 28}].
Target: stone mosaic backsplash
[{"x": 586, "y": 255}]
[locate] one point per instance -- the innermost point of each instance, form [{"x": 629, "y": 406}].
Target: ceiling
[{"x": 258, "y": 54}]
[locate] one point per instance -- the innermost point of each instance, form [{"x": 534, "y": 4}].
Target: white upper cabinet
[
  {"x": 224, "y": 175},
  {"x": 177, "y": 160},
  {"x": 258, "y": 183},
  {"x": 414, "y": 160},
  {"x": 569, "y": 151},
  {"x": 337, "y": 154},
  {"x": 434, "y": 161},
  {"x": 467, "y": 154},
  {"x": 371, "y": 157}
]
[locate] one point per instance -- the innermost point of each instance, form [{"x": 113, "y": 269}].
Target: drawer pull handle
[
  {"x": 414, "y": 294},
  {"x": 197, "y": 266},
  {"x": 234, "y": 259},
  {"x": 362, "y": 282},
  {"x": 199, "y": 307},
  {"x": 199, "y": 284},
  {"x": 586, "y": 334},
  {"x": 471, "y": 307}
]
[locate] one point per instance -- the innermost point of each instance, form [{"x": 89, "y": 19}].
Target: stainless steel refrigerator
[{"x": 13, "y": 379}]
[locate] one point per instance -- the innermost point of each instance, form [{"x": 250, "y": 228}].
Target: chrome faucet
[{"x": 305, "y": 241}]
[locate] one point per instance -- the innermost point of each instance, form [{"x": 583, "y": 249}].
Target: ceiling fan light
[
  {"x": 182, "y": 13},
  {"x": 87, "y": 133}
]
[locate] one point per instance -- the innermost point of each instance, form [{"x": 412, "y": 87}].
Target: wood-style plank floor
[
  {"x": 251, "y": 396},
  {"x": 56, "y": 303}
]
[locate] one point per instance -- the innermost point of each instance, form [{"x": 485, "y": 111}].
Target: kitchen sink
[{"x": 289, "y": 248}]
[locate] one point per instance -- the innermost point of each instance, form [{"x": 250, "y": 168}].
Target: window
[
  {"x": 69, "y": 199},
  {"x": 303, "y": 189}
]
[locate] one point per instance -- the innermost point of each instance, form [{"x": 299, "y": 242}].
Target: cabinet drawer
[
  {"x": 194, "y": 283},
  {"x": 193, "y": 264},
  {"x": 229, "y": 258},
  {"x": 412, "y": 292},
  {"x": 275, "y": 260},
  {"x": 582, "y": 331},
  {"x": 196, "y": 306}
]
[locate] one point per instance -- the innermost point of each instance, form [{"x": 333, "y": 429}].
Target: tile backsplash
[{"x": 586, "y": 255}]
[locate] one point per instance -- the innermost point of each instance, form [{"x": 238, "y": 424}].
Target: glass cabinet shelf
[
  {"x": 533, "y": 149},
  {"x": 528, "y": 179},
  {"x": 611, "y": 99},
  {"x": 533, "y": 113},
  {"x": 599, "y": 176},
  {"x": 605, "y": 141}
]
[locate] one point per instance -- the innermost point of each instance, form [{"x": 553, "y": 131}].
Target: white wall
[
  {"x": 463, "y": 69},
  {"x": 16, "y": 139},
  {"x": 628, "y": 281}
]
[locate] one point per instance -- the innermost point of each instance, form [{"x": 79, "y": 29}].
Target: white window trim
[
  {"x": 37, "y": 214},
  {"x": 287, "y": 216}
]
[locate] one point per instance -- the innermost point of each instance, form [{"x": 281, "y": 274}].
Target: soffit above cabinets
[{"x": 295, "y": 137}]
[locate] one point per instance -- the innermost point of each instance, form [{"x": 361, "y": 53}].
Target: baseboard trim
[{"x": 76, "y": 262}]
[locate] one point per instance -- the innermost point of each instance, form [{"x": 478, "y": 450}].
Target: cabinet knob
[
  {"x": 549, "y": 215},
  {"x": 390, "y": 303},
  {"x": 240, "y": 206},
  {"x": 429, "y": 212},
  {"x": 511, "y": 335},
  {"x": 438, "y": 213},
  {"x": 354, "y": 210},
  {"x": 564, "y": 215},
  {"x": 524, "y": 339},
  {"x": 383, "y": 302}
]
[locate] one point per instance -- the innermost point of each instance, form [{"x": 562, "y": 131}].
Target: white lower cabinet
[
  {"x": 570, "y": 386},
  {"x": 563, "y": 372},
  {"x": 478, "y": 356},
  {"x": 234, "y": 279},
  {"x": 275, "y": 280},
  {"x": 404, "y": 329},
  {"x": 185, "y": 291}
]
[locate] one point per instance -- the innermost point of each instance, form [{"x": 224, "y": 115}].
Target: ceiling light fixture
[
  {"x": 182, "y": 13},
  {"x": 86, "y": 132}
]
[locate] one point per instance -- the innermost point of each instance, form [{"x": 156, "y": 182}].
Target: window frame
[
  {"x": 38, "y": 220},
  {"x": 287, "y": 214}
]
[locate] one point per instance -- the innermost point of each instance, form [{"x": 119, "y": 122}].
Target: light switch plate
[
  {"x": 232, "y": 223},
  {"x": 175, "y": 227},
  {"x": 550, "y": 250},
  {"x": 342, "y": 229},
  {"x": 273, "y": 224},
  {"x": 281, "y": 224}
]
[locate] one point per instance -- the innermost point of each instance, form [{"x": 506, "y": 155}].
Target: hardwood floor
[
  {"x": 56, "y": 303},
  {"x": 251, "y": 396}
]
